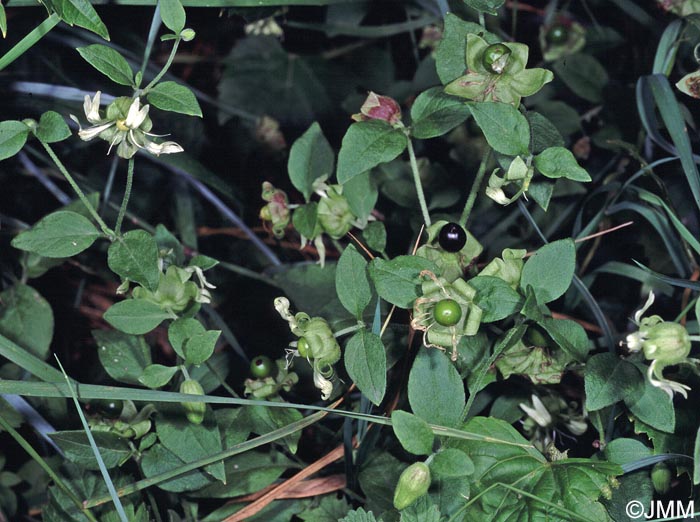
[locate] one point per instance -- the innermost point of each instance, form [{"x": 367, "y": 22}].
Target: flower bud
[
  {"x": 661, "y": 478},
  {"x": 194, "y": 410},
  {"x": 277, "y": 210},
  {"x": 187, "y": 34},
  {"x": 334, "y": 214},
  {"x": 377, "y": 107},
  {"x": 413, "y": 484}
]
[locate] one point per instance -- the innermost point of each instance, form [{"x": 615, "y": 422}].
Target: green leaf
[
  {"x": 351, "y": 281},
  {"x": 541, "y": 192},
  {"x": 359, "y": 515},
  {"x": 485, "y": 6},
  {"x": 361, "y": 193},
  {"x": 173, "y": 15},
  {"x": 365, "y": 361},
  {"x": 158, "y": 459},
  {"x": 191, "y": 442},
  {"x": 305, "y": 220},
  {"x": 200, "y": 347},
  {"x": 13, "y": 135},
  {"x": 124, "y": 357},
  {"x": 413, "y": 433},
  {"x": 135, "y": 316},
  {"x": 310, "y": 158},
  {"x": 450, "y": 463},
  {"x": 156, "y": 375},
  {"x": 134, "y": 256},
  {"x": 60, "y": 234},
  {"x": 550, "y": 270},
  {"x": 450, "y": 57},
  {"x": 609, "y": 379},
  {"x": 495, "y": 297},
  {"x": 435, "y": 113},
  {"x": 696, "y": 459},
  {"x": 114, "y": 449},
  {"x": 435, "y": 389},
  {"x": 263, "y": 419},
  {"x": 515, "y": 482},
  {"x": 652, "y": 406},
  {"x": 27, "y": 319},
  {"x": 181, "y": 330},
  {"x": 543, "y": 133},
  {"x": 583, "y": 74},
  {"x": 82, "y": 14},
  {"x": 109, "y": 62},
  {"x": 173, "y": 97},
  {"x": 623, "y": 451},
  {"x": 367, "y": 144},
  {"x": 558, "y": 162},
  {"x": 397, "y": 280},
  {"x": 569, "y": 335},
  {"x": 422, "y": 510},
  {"x": 52, "y": 128},
  {"x": 504, "y": 127},
  {"x": 375, "y": 236}
]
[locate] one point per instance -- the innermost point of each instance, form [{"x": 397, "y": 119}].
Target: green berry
[
  {"x": 661, "y": 478},
  {"x": 261, "y": 367},
  {"x": 447, "y": 312},
  {"x": 110, "y": 408},
  {"x": 536, "y": 336},
  {"x": 495, "y": 58},
  {"x": 558, "y": 34},
  {"x": 304, "y": 348}
]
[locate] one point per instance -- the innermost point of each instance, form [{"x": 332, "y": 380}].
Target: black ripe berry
[{"x": 452, "y": 237}]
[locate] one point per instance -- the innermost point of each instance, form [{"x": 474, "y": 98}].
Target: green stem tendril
[
  {"x": 127, "y": 195},
  {"x": 165, "y": 68},
  {"x": 475, "y": 188},
  {"x": 103, "y": 226},
  {"x": 416, "y": 180}
]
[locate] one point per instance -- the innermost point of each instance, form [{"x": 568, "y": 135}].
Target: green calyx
[
  {"x": 175, "y": 291},
  {"x": 334, "y": 214},
  {"x": 482, "y": 82},
  {"x": 194, "y": 410},
  {"x": 508, "y": 267},
  {"x": 428, "y": 312}
]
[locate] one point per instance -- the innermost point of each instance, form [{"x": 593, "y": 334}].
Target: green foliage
[{"x": 514, "y": 375}]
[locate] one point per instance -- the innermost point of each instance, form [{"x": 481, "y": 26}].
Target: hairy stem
[
  {"x": 416, "y": 180},
  {"x": 103, "y": 226},
  {"x": 165, "y": 68},
  {"x": 127, "y": 195},
  {"x": 475, "y": 188}
]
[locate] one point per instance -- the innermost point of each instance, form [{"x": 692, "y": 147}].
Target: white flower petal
[
  {"x": 92, "y": 132},
  {"x": 167, "y": 147},
  {"x": 538, "y": 412},
  {"x": 92, "y": 108},
  {"x": 136, "y": 115},
  {"x": 324, "y": 385},
  {"x": 638, "y": 315}
]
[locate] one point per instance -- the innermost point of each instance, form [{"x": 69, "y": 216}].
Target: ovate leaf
[
  {"x": 135, "y": 316},
  {"x": 310, "y": 158},
  {"x": 124, "y": 357},
  {"x": 109, "y": 62},
  {"x": 134, "y": 256},
  {"x": 52, "y": 128},
  {"x": 13, "y": 135},
  {"x": 558, "y": 162},
  {"x": 435, "y": 113},
  {"x": 367, "y": 144},
  {"x": 550, "y": 270},
  {"x": 27, "y": 319},
  {"x": 60, "y": 234},
  {"x": 173, "y": 97},
  {"x": 173, "y": 15},
  {"x": 365, "y": 361},
  {"x": 413, "y": 433},
  {"x": 352, "y": 282},
  {"x": 504, "y": 127}
]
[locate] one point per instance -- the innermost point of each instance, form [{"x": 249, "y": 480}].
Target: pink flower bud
[{"x": 377, "y": 107}]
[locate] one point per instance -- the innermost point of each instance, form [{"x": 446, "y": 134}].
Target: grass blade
[{"x": 28, "y": 41}]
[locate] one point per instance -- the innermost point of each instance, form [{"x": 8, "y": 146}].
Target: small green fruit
[
  {"x": 304, "y": 348},
  {"x": 447, "y": 312},
  {"x": 413, "y": 484},
  {"x": 261, "y": 367},
  {"x": 557, "y": 34},
  {"x": 495, "y": 58},
  {"x": 194, "y": 410}
]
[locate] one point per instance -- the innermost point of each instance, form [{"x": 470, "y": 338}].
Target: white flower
[
  {"x": 129, "y": 133},
  {"x": 323, "y": 384},
  {"x": 538, "y": 412}
]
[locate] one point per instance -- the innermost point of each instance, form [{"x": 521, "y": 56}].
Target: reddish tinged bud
[{"x": 377, "y": 107}]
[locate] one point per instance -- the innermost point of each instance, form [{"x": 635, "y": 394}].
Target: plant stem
[
  {"x": 165, "y": 68},
  {"x": 105, "y": 229},
  {"x": 482, "y": 20},
  {"x": 349, "y": 329},
  {"x": 127, "y": 195},
  {"x": 475, "y": 188},
  {"x": 416, "y": 180}
]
